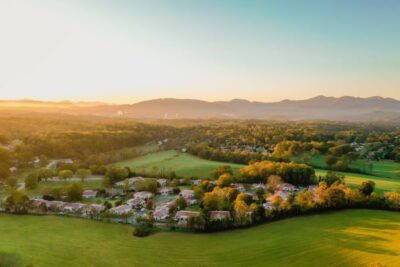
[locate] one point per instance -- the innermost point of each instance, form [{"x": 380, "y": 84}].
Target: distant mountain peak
[
  {"x": 320, "y": 107},
  {"x": 238, "y": 100}
]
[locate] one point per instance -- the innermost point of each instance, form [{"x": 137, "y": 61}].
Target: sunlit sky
[{"x": 128, "y": 51}]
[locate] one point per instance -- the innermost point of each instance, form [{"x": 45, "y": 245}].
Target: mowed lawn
[
  {"x": 345, "y": 238},
  {"x": 384, "y": 168},
  {"x": 355, "y": 179},
  {"x": 182, "y": 163}
]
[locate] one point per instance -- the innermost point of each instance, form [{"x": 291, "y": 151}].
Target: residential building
[
  {"x": 122, "y": 209},
  {"x": 165, "y": 190},
  {"x": 89, "y": 193},
  {"x": 219, "y": 215},
  {"x": 72, "y": 207},
  {"x": 182, "y": 216}
]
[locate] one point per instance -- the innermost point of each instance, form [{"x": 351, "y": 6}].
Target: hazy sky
[{"x": 127, "y": 51}]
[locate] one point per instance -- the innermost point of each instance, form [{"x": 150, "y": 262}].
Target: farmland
[{"x": 345, "y": 238}]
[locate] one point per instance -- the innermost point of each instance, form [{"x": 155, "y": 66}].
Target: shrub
[{"x": 142, "y": 231}]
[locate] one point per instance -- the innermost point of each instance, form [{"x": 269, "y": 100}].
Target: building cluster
[
  {"x": 162, "y": 205},
  {"x": 65, "y": 208}
]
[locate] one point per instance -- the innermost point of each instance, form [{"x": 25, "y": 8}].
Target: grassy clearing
[
  {"x": 384, "y": 168},
  {"x": 346, "y": 238},
  {"x": 183, "y": 164}
]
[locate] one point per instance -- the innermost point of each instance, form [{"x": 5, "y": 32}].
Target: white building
[{"x": 121, "y": 210}]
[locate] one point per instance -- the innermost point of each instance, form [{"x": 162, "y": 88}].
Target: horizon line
[{"x": 99, "y": 102}]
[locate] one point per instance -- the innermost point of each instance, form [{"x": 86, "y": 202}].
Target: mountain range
[{"x": 346, "y": 108}]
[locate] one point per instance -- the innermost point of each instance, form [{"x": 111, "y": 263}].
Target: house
[
  {"x": 97, "y": 208},
  {"x": 37, "y": 203},
  {"x": 286, "y": 187},
  {"x": 13, "y": 169},
  {"x": 143, "y": 195},
  {"x": 219, "y": 215},
  {"x": 161, "y": 214},
  {"x": 89, "y": 193},
  {"x": 239, "y": 187},
  {"x": 92, "y": 209},
  {"x": 112, "y": 192},
  {"x": 136, "y": 179},
  {"x": 72, "y": 207},
  {"x": 121, "y": 183},
  {"x": 136, "y": 203},
  {"x": 188, "y": 195},
  {"x": 36, "y": 161},
  {"x": 256, "y": 186},
  {"x": 55, "y": 206},
  {"x": 162, "y": 182},
  {"x": 67, "y": 161},
  {"x": 197, "y": 182},
  {"x": 165, "y": 190},
  {"x": 121, "y": 210},
  {"x": 139, "y": 199},
  {"x": 268, "y": 206},
  {"x": 131, "y": 181},
  {"x": 182, "y": 216}
]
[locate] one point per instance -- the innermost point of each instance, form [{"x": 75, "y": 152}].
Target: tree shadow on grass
[
  {"x": 368, "y": 237},
  {"x": 10, "y": 260}
]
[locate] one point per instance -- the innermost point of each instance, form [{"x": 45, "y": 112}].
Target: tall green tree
[
  {"x": 65, "y": 174},
  {"x": 74, "y": 192},
  {"x": 366, "y": 187},
  {"x": 32, "y": 180},
  {"x": 83, "y": 174}
]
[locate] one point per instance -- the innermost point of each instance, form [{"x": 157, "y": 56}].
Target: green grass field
[
  {"x": 384, "y": 168},
  {"x": 346, "y": 238},
  {"x": 354, "y": 179},
  {"x": 183, "y": 164}
]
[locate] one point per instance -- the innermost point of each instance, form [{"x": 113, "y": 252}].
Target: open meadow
[
  {"x": 344, "y": 238},
  {"x": 383, "y": 168},
  {"x": 182, "y": 163}
]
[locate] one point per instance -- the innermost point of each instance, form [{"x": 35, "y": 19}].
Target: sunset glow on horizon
[{"x": 128, "y": 51}]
